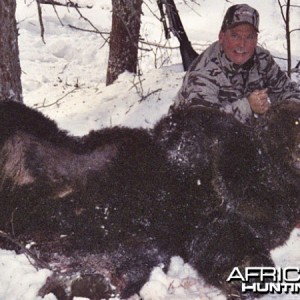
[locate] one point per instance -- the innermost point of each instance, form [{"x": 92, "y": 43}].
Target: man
[{"x": 234, "y": 74}]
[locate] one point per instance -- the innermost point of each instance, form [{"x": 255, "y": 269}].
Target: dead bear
[
  {"x": 200, "y": 185},
  {"x": 110, "y": 192},
  {"x": 253, "y": 171}
]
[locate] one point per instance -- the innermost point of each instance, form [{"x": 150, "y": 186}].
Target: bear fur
[
  {"x": 200, "y": 185},
  {"x": 253, "y": 171}
]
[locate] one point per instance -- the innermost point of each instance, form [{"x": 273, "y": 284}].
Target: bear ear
[
  {"x": 13, "y": 170},
  {"x": 284, "y": 128},
  {"x": 28, "y": 161},
  {"x": 286, "y": 110}
]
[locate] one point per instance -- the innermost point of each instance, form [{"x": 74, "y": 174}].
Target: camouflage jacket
[{"x": 214, "y": 81}]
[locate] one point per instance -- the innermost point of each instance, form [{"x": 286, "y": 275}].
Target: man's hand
[{"x": 259, "y": 101}]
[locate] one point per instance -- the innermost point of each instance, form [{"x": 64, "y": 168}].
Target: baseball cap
[{"x": 240, "y": 14}]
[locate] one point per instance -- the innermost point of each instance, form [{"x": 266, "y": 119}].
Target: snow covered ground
[{"x": 65, "y": 79}]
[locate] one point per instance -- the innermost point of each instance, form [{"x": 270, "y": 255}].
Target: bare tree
[
  {"x": 123, "y": 52},
  {"x": 285, "y": 9},
  {"x": 10, "y": 70}
]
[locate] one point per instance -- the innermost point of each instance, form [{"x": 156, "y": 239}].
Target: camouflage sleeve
[
  {"x": 280, "y": 86},
  {"x": 198, "y": 89},
  {"x": 203, "y": 90},
  {"x": 240, "y": 109}
]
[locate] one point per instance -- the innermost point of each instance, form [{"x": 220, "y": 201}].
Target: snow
[
  {"x": 65, "y": 79},
  {"x": 19, "y": 280}
]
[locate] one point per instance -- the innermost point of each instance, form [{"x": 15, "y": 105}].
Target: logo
[
  {"x": 267, "y": 280},
  {"x": 244, "y": 13}
]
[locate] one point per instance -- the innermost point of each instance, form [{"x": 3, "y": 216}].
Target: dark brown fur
[{"x": 200, "y": 185}]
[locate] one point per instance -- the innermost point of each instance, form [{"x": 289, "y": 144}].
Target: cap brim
[{"x": 240, "y": 23}]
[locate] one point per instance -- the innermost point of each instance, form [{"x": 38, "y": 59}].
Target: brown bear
[{"x": 116, "y": 203}]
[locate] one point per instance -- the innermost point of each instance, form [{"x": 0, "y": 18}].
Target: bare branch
[
  {"x": 41, "y": 20},
  {"x": 60, "y": 21},
  {"x": 149, "y": 94},
  {"x": 297, "y": 29},
  {"x": 92, "y": 25},
  {"x": 89, "y": 30},
  {"x": 57, "y": 101},
  {"x": 38, "y": 264},
  {"x": 67, "y": 3},
  {"x": 281, "y": 10}
]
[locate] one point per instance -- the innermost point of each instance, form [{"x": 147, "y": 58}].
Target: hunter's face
[{"x": 239, "y": 43}]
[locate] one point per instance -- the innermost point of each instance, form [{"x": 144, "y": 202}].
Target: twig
[
  {"x": 93, "y": 26},
  {"x": 41, "y": 20},
  {"x": 67, "y": 4},
  {"x": 149, "y": 94},
  {"x": 59, "y": 19},
  {"x": 89, "y": 30},
  {"x": 56, "y": 102},
  {"x": 277, "y": 57},
  {"x": 135, "y": 84},
  {"x": 38, "y": 264},
  {"x": 296, "y": 29}
]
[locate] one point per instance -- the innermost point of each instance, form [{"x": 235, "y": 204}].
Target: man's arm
[{"x": 280, "y": 86}]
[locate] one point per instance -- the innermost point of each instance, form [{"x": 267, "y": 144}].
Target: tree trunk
[
  {"x": 123, "y": 52},
  {"x": 10, "y": 70},
  {"x": 288, "y": 38}
]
